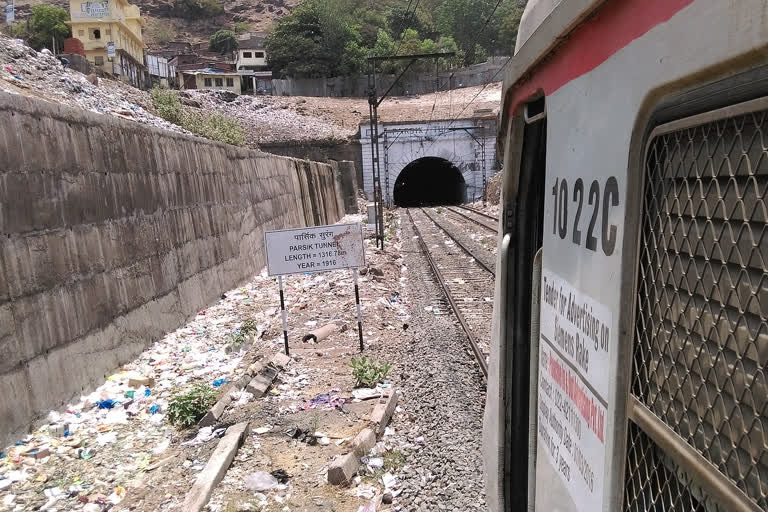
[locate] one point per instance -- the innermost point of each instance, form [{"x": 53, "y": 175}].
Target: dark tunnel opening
[{"x": 429, "y": 181}]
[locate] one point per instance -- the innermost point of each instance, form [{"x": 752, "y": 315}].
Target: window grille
[{"x": 701, "y": 333}]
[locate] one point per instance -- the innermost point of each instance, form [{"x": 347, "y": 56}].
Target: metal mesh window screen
[
  {"x": 701, "y": 341},
  {"x": 657, "y": 484}
]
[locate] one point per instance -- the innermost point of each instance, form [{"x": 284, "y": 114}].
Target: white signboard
[
  {"x": 316, "y": 249},
  {"x": 573, "y": 388},
  {"x": 111, "y": 50},
  {"x": 10, "y": 14}
]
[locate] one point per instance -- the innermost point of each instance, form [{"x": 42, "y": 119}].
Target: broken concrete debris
[
  {"x": 383, "y": 412},
  {"x": 214, "y": 471},
  {"x": 343, "y": 468}
]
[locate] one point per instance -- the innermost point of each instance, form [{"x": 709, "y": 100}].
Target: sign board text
[
  {"x": 574, "y": 352},
  {"x": 316, "y": 249}
]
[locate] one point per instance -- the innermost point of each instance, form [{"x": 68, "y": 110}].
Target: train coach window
[{"x": 698, "y": 435}]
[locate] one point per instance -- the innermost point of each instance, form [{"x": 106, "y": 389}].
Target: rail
[
  {"x": 474, "y": 345},
  {"x": 482, "y": 223}
]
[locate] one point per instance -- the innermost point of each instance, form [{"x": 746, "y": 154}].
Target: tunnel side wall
[{"x": 114, "y": 234}]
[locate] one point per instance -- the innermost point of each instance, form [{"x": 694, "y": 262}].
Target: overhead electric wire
[
  {"x": 474, "y": 43},
  {"x": 456, "y": 117},
  {"x": 409, "y": 21}
]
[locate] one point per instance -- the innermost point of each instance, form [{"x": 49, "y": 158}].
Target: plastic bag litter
[
  {"x": 204, "y": 435},
  {"x": 116, "y": 417},
  {"x": 373, "y": 462},
  {"x": 389, "y": 480},
  {"x": 260, "y": 481},
  {"x": 106, "y": 438}
]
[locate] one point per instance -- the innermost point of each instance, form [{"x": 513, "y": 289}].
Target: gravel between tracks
[
  {"x": 442, "y": 400},
  {"x": 480, "y": 242}
]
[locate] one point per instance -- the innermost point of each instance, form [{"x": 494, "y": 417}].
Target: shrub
[
  {"x": 214, "y": 126},
  {"x": 188, "y": 408},
  {"x": 168, "y": 105},
  {"x": 197, "y": 9},
  {"x": 368, "y": 372},
  {"x": 241, "y": 27},
  {"x": 164, "y": 34}
]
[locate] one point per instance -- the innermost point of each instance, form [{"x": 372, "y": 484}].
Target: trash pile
[
  {"x": 27, "y": 72},
  {"x": 89, "y": 455},
  {"x": 115, "y": 448}
]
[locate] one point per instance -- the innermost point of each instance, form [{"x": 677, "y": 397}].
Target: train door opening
[
  {"x": 429, "y": 181},
  {"x": 524, "y": 225}
]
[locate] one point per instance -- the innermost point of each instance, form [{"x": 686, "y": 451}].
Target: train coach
[{"x": 630, "y": 335}]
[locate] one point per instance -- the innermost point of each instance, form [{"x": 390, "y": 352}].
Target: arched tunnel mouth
[{"x": 429, "y": 181}]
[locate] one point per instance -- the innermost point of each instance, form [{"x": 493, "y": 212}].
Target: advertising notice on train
[
  {"x": 573, "y": 388},
  {"x": 315, "y": 249}
]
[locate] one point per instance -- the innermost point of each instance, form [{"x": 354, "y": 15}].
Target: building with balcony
[{"x": 112, "y": 35}]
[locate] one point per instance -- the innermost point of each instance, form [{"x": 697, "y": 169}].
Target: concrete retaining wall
[
  {"x": 322, "y": 152},
  {"x": 417, "y": 83},
  {"x": 113, "y": 234}
]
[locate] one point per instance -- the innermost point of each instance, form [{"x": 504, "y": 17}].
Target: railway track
[
  {"x": 466, "y": 282},
  {"x": 482, "y": 219}
]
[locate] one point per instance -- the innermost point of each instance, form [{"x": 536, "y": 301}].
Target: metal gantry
[{"x": 373, "y": 105}]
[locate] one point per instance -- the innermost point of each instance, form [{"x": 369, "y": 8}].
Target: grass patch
[
  {"x": 367, "y": 372},
  {"x": 186, "y": 409},
  {"x": 393, "y": 461}
]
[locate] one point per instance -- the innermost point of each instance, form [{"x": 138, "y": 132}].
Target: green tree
[
  {"x": 465, "y": 21},
  {"x": 369, "y": 22},
  {"x": 509, "y": 15},
  {"x": 398, "y": 20},
  {"x": 223, "y": 41},
  {"x": 447, "y": 44},
  {"x": 45, "y": 23},
  {"x": 319, "y": 38}
]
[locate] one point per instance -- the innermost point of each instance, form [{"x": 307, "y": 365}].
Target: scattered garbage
[
  {"x": 373, "y": 463},
  {"x": 103, "y": 444},
  {"x": 261, "y": 481},
  {"x": 281, "y": 476}
]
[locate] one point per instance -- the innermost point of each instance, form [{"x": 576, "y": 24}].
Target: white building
[
  {"x": 251, "y": 53},
  {"x": 251, "y": 63}
]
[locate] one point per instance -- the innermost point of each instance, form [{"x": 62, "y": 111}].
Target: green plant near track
[
  {"x": 188, "y": 408},
  {"x": 367, "y": 372}
]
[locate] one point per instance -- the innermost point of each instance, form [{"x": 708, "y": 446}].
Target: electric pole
[{"x": 373, "y": 105}]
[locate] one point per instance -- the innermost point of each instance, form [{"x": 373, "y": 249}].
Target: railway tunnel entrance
[{"x": 429, "y": 181}]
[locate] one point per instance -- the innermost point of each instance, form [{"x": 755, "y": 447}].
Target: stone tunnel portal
[{"x": 429, "y": 181}]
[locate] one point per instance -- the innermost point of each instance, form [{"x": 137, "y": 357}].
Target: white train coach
[{"x": 628, "y": 369}]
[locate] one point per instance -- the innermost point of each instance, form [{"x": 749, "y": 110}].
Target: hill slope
[{"x": 164, "y": 22}]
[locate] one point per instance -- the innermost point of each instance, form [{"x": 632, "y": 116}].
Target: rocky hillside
[{"x": 167, "y": 19}]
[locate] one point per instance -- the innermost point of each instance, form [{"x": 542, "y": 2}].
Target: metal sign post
[
  {"x": 315, "y": 249},
  {"x": 283, "y": 314},
  {"x": 357, "y": 305}
]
